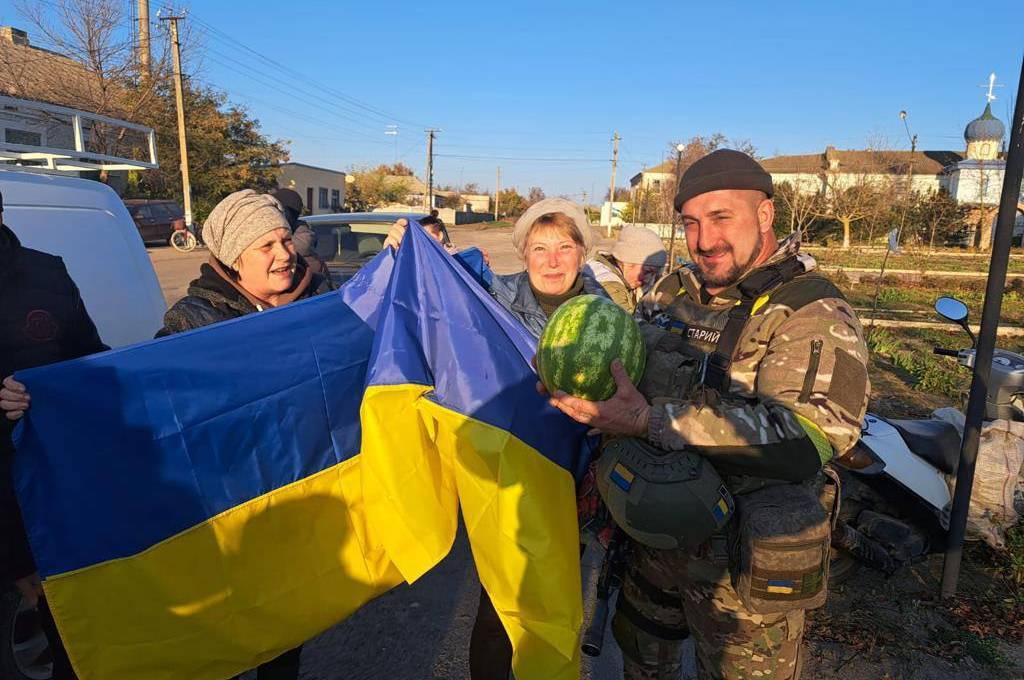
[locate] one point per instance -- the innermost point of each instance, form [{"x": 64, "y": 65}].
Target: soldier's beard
[{"x": 734, "y": 273}]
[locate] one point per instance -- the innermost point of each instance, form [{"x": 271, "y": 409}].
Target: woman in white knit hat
[
  {"x": 554, "y": 239},
  {"x": 253, "y": 265}
]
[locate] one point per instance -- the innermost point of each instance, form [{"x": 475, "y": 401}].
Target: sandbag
[{"x": 1000, "y": 455}]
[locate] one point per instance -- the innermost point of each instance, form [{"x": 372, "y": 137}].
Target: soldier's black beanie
[{"x": 722, "y": 169}]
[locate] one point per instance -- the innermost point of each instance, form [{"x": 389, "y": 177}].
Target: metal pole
[
  {"x": 497, "y": 193},
  {"x": 672, "y": 238},
  {"x": 186, "y": 186},
  {"x": 611, "y": 192},
  {"x": 430, "y": 171},
  {"x": 986, "y": 344}
]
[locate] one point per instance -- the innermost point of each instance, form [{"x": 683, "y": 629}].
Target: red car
[{"x": 156, "y": 220}]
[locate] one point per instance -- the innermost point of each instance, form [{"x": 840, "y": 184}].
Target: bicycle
[{"x": 184, "y": 239}]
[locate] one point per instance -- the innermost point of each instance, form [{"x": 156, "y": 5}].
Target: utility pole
[
  {"x": 672, "y": 239},
  {"x": 497, "y": 193},
  {"x": 611, "y": 193},
  {"x": 994, "y": 290},
  {"x": 430, "y": 170},
  {"x": 186, "y": 187},
  {"x": 145, "y": 66}
]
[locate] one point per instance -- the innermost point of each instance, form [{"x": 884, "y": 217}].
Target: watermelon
[{"x": 580, "y": 341}]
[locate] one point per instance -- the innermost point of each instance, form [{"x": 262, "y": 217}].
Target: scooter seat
[{"x": 935, "y": 441}]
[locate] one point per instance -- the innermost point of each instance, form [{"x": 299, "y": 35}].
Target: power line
[
  {"x": 379, "y": 113},
  {"x": 310, "y": 97},
  {"x": 524, "y": 158}
]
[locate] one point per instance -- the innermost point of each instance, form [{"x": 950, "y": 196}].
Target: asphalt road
[{"x": 418, "y": 631}]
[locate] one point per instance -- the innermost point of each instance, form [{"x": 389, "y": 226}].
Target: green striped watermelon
[{"x": 580, "y": 341}]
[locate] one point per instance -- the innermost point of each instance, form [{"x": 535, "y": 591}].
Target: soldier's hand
[
  {"x": 625, "y": 412},
  {"x": 14, "y": 399},
  {"x": 396, "y": 233}
]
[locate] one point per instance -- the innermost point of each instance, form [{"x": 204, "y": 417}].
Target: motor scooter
[{"x": 895, "y": 501}]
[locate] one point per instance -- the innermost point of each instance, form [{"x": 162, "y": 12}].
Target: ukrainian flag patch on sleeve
[
  {"x": 622, "y": 476},
  {"x": 722, "y": 508}
]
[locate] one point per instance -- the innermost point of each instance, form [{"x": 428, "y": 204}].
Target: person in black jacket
[
  {"x": 303, "y": 236},
  {"x": 253, "y": 266},
  {"x": 42, "y": 320}
]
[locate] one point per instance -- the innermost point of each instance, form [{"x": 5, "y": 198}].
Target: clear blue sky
[{"x": 506, "y": 82}]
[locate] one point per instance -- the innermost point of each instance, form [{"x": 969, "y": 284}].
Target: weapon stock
[{"x": 609, "y": 580}]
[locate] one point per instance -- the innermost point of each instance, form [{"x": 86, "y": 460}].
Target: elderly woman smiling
[
  {"x": 253, "y": 265},
  {"x": 554, "y": 239}
]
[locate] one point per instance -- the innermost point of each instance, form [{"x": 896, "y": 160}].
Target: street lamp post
[{"x": 672, "y": 238}]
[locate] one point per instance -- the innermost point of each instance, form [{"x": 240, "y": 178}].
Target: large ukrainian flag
[
  {"x": 201, "y": 503},
  {"x": 194, "y": 504},
  {"x": 451, "y": 418}
]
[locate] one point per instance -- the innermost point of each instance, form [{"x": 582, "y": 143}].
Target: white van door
[{"x": 86, "y": 224}]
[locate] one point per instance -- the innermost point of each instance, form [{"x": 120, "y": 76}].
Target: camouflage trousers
[{"x": 668, "y": 594}]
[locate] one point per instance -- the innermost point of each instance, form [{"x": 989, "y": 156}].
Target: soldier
[
  {"x": 757, "y": 364},
  {"x": 634, "y": 263}
]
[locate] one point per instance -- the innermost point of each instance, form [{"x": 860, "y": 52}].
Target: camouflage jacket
[
  {"x": 610, "y": 278},
  {"x": 799, "y": 382}
]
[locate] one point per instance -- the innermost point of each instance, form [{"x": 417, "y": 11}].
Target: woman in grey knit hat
[{"x": 253, "y": 265}]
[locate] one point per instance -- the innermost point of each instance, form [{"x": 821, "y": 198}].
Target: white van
[{"x": 87, "y": 224}]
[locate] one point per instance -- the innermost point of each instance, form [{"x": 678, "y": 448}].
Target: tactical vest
[{"x": 708, "y": 336}]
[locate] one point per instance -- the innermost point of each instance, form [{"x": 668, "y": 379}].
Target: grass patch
[
  {"x": 957, "y": 645},
  {"x": 911, "y": 352},
  {"x": 913, "y": 261}
]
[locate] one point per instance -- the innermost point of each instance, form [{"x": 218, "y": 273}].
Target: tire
[
  {"x": 24, "y": 651},
  {"x": 842, "y": 567},
  {"x": 183, "y": 241}
]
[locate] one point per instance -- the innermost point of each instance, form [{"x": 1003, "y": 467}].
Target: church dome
[{"x": 985, "y": 128}]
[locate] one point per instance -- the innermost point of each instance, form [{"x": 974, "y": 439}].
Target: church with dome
[{"x": 973, "y": 176}]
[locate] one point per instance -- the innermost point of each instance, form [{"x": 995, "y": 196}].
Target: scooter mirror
[{"x": 952, "y": 309}]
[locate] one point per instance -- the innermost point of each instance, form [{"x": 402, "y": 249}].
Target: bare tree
[
  {"x": 848, "y": 200},
  {"x": 801, "y": 204},
  {"x": 94, "y": 68}
]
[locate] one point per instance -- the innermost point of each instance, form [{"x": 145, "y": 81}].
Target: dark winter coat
[
  {"x": 42, "y": 320},
  {"x": 212, "y": 298}
]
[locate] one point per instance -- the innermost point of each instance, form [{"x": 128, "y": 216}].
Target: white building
[
  {"x": 974, "y": 177},
  {"x": 322, "y": 189}
]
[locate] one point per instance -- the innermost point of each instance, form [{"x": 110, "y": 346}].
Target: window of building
[
  {"x": 26, "y": 137},
  {"x": 335, "y": 200},
  {"x": 656, "y": 184},
  {"x": 324, "y": 205}
]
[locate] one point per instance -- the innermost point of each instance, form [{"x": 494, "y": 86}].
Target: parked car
[
  {"x": 156, "y": 220},
  {"x": 86, "y": 224},
  {"x": 347, "y": 241}
]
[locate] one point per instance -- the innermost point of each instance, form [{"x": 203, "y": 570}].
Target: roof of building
[
  {"x": 869, "y": 161},
  {"x": 311, "y": 167},
  {"x": 985, "y": 128},
  {"x": 30, "y": 72}
]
